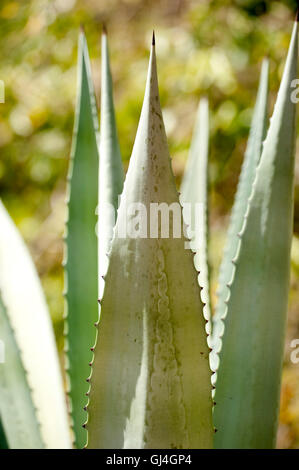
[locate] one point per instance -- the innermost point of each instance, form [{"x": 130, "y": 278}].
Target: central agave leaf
[{"x": 150, "y": 381}]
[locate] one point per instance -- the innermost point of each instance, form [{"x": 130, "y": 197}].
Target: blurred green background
[{"x": 211, "y": 48}]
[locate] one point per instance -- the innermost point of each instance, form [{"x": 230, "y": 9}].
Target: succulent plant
[
  {"x": 150, "y": 381},
  {"x": 254, "y": 320},
  {"x": 35, "y": 396},
  {"x": 149, "y": 349}
]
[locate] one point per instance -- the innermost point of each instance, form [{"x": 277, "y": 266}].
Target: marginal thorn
[
  {"x": 84, "y": 426},
  {"x": 153, "y": 38}
]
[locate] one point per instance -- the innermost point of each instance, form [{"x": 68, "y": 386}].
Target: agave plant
[{"x": 151, "y": 366}]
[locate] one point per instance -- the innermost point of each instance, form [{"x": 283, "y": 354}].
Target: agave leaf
[
  {"x": 252, "y": 156},
  {"x": 111, "y": 174},
  {"x": 30, "y": 320},
  {"x": 150, "y": 376},
  {"x": 18, "y": 416},
  {"x": 81, "y": 244},
  {"x": 194, "y": 191},
  {"x": 249, "y": 374}
]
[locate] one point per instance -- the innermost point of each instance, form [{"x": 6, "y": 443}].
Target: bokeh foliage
[{"x": 204, "y": 47}]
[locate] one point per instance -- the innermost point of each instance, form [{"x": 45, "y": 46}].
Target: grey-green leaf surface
[
  {"x": 30, "y": 319},
  {"x": 19, "y": 424},
  {"x": 150, "y": 381},
  {"x": 251, "y": 353},
  {"x": 252, "y": 156},
  {"x": 81, "y": 244},
  {"x": 194, "y": 192},
  {"x": 111, "y": 173}
]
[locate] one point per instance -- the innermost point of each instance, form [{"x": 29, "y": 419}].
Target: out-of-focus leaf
[
  {"x": 111, "y": 174},
  {"x": 194, "y": 191},
  {"x": 251, "y": 350},
  {"x": 151, "y": 382},
  {"x": 251, "y": 159},
  {"x": 29, "y": 317},
  {"x": 19, "y": 427},
  {"x": 81, "y": 244}
]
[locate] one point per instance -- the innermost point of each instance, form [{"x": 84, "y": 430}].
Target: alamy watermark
[
  {"x": 295, "y": 353},
  {"x": 154, "y": 220},
  {"x": 295, "y": 92}
]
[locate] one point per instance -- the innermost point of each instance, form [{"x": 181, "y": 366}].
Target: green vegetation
[{"x": 204, "y": 48}]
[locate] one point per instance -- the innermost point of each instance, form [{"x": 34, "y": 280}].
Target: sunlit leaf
[
  {"x": 251, "y": 159},
  {"x": 19, "y": 428},
  {"x": 150, "y": 383},
  {"x": 251, "y": 350},
  {"x": 194, "y": 191},
  {"x": 30, "y": 320},
  {"x": 111, "y": 175}
]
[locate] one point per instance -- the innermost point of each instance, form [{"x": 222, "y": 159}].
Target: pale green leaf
[
  {"x": 151, "y": 382},
  {"x": 251, "y": 159},
  {"x": 81, "y": 244},
  {"x": 29, "y": 317},
  {"x": 194, "y": 191},
  {"x": 251, "y": 353},
  {"x": 111, "y": 174},
  {"x": 19, "y": 428}
]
